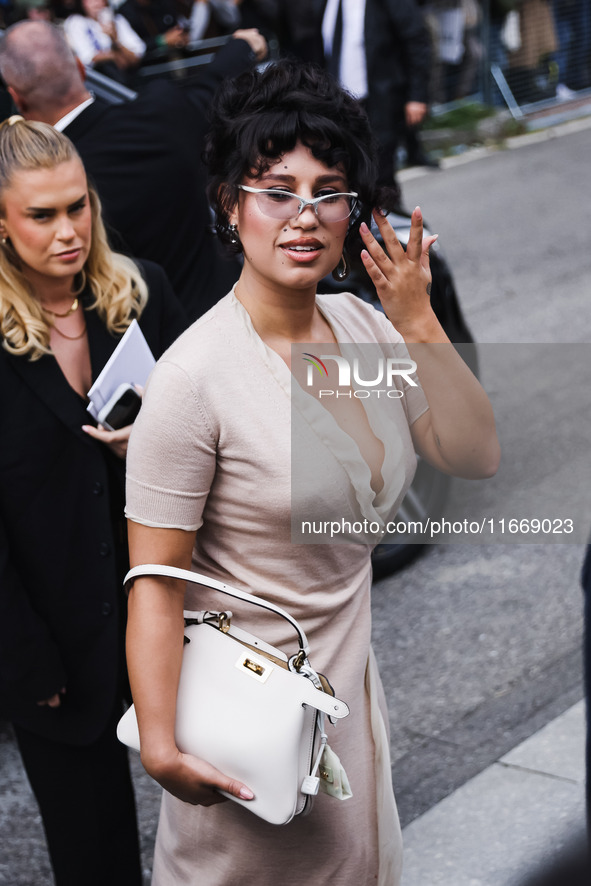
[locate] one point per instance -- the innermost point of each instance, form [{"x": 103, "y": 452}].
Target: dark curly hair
[{"x": 261, "y": 115}]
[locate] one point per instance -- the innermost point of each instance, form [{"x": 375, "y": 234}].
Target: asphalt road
[{"x": 479, "y": 645}]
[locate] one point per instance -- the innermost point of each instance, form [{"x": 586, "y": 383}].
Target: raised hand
[
  {"x": 402, "y": 279},
  {"x": 255, "y": 40}
]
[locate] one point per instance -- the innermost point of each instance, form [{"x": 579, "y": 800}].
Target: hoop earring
[
  {"x": 341, "y": 272},
  {"x": 233, "y": 233}
]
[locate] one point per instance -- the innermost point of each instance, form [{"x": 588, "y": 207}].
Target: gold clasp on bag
[{"x": 254, "y": 667}]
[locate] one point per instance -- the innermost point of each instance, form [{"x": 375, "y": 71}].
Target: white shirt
[
  {"x": 353, "y": 66},
  {"x": 71, "y": 115},
  {"x": 86, "y": 37}
]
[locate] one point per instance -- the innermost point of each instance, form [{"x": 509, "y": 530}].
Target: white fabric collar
[{"x": 71, "y": 115}]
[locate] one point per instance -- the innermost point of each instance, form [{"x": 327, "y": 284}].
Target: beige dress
[{"x": 211, "y": 451}]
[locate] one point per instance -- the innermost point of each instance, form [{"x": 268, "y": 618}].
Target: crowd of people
[
  {"x": 400, "y": 57},
  {"x": 526, "y": 38}
]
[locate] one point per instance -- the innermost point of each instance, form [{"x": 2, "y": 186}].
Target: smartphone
[{"x": 121, "y": 409}]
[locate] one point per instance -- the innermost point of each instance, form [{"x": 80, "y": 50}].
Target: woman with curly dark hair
[{"x": 237, "y": 433}]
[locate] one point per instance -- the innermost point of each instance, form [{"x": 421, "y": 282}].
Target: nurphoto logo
[{"x": 388, "y": 371}]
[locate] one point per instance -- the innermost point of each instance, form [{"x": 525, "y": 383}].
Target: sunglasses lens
[
  {"x": 278, "y": 205},
  {"x": 335, "y": 207}
]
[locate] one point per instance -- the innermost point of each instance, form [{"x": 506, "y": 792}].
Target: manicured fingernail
[
  {"x": 86, "y": 428},
  {"x": 381, "y": 211},
  {"x": 363, "y": 228},
  {"x": 246, "y": 794},
  {"x": 364, "y": 254}
]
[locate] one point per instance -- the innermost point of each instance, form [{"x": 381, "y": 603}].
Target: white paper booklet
[{"x": 131, "y": 362}]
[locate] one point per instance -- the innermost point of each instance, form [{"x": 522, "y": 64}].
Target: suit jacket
[
  {"x": 62, "y": 537},
  {"x": 144, "y": 157},
  {"x": 398, "y": 59}
]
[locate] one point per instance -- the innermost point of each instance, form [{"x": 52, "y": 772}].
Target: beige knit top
[{"x": 211, "y": 451}]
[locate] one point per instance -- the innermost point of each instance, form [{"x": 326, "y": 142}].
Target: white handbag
[{"x": 247, "y": 708}]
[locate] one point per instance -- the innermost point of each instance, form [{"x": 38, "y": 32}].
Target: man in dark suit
[
  {"x": 144, "y": 156},
  {"x": 381, "y": 52}
]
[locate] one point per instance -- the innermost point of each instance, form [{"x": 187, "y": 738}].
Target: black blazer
[
  {"x": 144, "y": 158},
  {"x": 62, "y": 539},
  {"x": 398, "y": 60},
  {"x": 398, "y": 52}
]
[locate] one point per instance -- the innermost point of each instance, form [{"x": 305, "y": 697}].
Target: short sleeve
[
  {"x": 172, "y": 453},
  {"x": 128, "y": 37}
]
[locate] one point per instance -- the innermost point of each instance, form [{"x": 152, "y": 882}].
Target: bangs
[{"x": 274, "y": 134}]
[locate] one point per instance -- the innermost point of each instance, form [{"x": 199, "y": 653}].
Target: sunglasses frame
[{"x": 314, "y": 202}]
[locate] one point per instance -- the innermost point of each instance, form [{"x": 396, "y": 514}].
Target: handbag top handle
[{"x": 199, "y": 579}]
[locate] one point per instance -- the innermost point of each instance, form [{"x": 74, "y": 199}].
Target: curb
[{"x": 512, "y": 143}]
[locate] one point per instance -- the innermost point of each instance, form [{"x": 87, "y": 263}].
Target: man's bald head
[{"x": 41, "y": 71}]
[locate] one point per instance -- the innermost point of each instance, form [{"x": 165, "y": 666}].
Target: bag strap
[{"x": 198, "y": 579}]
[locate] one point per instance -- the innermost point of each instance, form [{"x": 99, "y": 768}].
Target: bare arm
[
  {"x": 123, "y": 57},
  {"x": 457, "y": 434},
  {"x": 154, "y": 654}
]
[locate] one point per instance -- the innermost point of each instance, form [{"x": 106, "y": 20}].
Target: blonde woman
[{"x": 65, "y": 301}]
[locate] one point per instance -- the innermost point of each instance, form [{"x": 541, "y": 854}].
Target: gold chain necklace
[
  {"x": 70, "y": 337},
  {"x": 71, "y": 310},
  {"x": 73, "y": 307}
]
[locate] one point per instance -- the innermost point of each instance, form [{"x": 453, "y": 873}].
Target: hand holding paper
[{"x": 130, "y": 363}]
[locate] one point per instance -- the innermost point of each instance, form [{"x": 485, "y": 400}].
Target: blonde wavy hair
[{"x": 118, "y": 289}]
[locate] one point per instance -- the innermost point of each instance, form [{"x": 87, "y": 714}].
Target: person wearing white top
[{"x": 104, "y": 40}]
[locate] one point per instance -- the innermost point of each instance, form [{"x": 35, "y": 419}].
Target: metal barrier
[
  {"x": 509, "y": 53},
  {"x": 155, "y": 64},
  {"x": 159, "y": 64},
  {"x": 513, "y": 53},
  {"x": 107, "y": 89}
]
